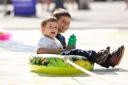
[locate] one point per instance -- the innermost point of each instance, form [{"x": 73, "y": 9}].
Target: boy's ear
[{"x": 42, "y": 29}]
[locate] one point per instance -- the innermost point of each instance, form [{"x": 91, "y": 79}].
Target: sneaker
[
  {"x": 116, "y": 56},
  {"x": 102, "y": 55}
]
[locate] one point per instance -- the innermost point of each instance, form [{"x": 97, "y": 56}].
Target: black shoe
[{"x": 102, "y": 55}]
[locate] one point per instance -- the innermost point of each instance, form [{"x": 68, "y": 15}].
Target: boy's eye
[
  {"x": 50, "y": 27},
  {"x": 55, "y": 27},
  {"x": 65, "y": 22}
]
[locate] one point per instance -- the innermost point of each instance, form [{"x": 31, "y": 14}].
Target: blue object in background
[{"x": 24, "y": 7}]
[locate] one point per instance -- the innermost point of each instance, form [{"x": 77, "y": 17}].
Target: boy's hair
[
  {"x": 60, "y": 12},
  {"x": 49, "y": 19}
]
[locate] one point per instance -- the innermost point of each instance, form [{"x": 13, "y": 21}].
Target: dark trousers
[{"x": 90, "y": 55}]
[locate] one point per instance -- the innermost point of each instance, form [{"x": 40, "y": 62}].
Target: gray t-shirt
[{"x": 49, "y": 43}]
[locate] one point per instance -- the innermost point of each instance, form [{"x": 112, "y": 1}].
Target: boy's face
[
  {"x": 51, "y": 29},
  {"x": 63, "y": 23}
]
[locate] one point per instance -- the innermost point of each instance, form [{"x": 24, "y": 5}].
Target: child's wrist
[{"x": 59, "y": 50}]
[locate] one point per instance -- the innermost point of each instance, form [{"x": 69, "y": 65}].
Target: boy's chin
[
  {"x": 53, "y": 36},
  {"x": 62, "y": 32}
]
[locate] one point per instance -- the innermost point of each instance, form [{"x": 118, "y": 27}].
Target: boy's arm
[
  {"x": 49, "y": 51},
  {"x": 67, "y": 48}
]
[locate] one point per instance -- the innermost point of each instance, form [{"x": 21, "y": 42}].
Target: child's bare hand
[{"x": 60, "y": 50}]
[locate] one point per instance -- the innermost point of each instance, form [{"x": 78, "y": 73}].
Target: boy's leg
[
  {"x": 93, "y": 57},
  {"x": 88, "y": 54}
]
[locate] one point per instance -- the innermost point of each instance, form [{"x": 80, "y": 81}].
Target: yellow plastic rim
[{"x": 67, "y": 70}]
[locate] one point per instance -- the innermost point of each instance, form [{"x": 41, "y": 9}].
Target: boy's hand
[{"x": 60, "y": 50}]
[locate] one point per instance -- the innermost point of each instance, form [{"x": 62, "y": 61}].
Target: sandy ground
[{"x": 104, "y": 25}]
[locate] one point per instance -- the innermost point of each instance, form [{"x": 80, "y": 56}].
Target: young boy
[
  {"x": 64, "y": 18},
  {"x": 49, "y": 44}
]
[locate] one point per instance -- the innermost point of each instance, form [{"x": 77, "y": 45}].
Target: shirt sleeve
[{"x": 42, "y": 43}]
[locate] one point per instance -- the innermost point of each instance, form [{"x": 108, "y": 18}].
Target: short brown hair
[
  {"x": 61, "y": 12},
  {"x": 49, "y": 19}
]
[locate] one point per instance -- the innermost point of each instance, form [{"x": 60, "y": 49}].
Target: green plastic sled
[{"x": 52, "y": 64}]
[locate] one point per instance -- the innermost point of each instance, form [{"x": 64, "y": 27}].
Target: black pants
[{"x": 90, "y": 55}]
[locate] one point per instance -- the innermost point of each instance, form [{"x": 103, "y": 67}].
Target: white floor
[{"x": 105, "y": 25}]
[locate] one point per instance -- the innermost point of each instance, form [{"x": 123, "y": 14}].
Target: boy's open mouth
[{"x": 52, "y": 32}]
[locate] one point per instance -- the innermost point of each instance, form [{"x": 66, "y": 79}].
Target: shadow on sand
[
  {"x": 111, "y": 71},
  {"x": 17, "y": 46}
]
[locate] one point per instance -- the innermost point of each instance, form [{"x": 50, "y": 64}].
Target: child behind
[{"x": 101, "y": 58}]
